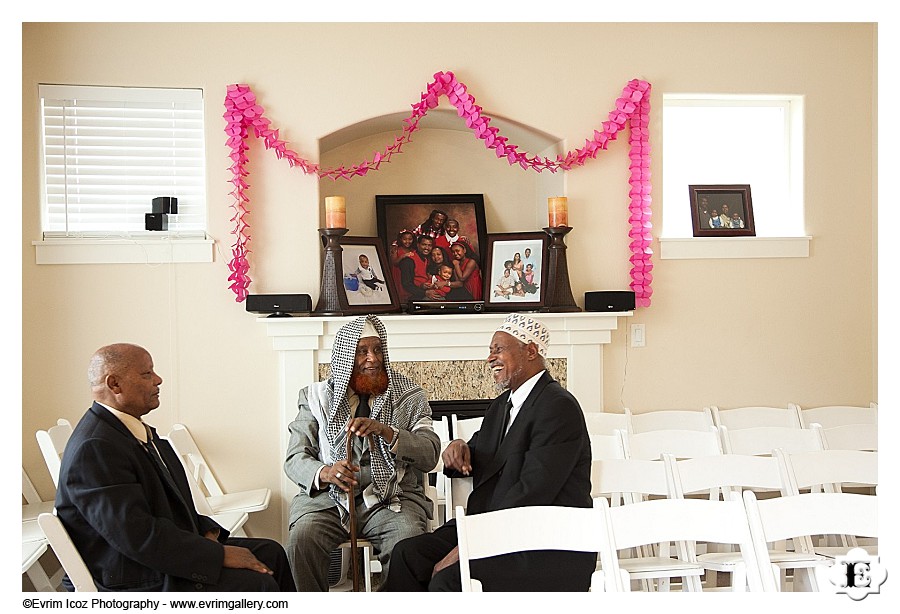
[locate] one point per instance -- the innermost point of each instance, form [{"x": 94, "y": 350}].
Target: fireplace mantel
[{"x": 303, "y": 343}]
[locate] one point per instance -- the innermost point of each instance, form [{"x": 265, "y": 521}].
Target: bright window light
[{"x": 756, "y": 140}]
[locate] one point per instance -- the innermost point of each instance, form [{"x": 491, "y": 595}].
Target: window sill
[
  {"x": 143, "y": 250},
  {"x": 733, "y": 247}
]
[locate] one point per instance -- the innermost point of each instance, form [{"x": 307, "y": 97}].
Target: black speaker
[
  {"x": 279, "y": 305},
  {"x": 609, "y": 300},
  {"x": 156, "y": 221},
  {"x": 164, "y": 204}
]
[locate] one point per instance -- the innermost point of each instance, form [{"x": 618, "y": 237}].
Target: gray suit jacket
[{"x": 418, "y": 450}]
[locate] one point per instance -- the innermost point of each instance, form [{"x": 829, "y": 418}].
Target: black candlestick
[
  {"x": 559, "y": 292},
  {"x": 329, "y": 303}
]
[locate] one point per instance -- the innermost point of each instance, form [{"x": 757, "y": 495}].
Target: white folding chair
[
  {"x": 67, "y": 554},
  {"x": 730, "y": 474},
  {"x": 756, "y": 416},
  {"x": 679, "y": 520},
  {"x": 669, "y": 419},
  {"x": 34, "y": 544},
  {"x": 442, "y": 429},
  {"x": 458, "y": 489},
  {"x": 830, "y": 471},
  {"x": 522, "y": 529},
  {"x": 830, "y": 416},
  {"x": 761, "y": 441},
  {"x": 52, "y": 443},
  {"x": 651, "y": 445},
  {"x": 784, "y": 518},
  {"x": 634, "y": 480},
  {"x": 218, "y": 501}
]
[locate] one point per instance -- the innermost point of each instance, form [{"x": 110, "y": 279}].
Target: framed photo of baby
[
  {"x": 365, "y": 283},
  {"x": 516, "y": 271},
  {"x": 443, "y": 235},
  {"x": 722, "y": 211}
]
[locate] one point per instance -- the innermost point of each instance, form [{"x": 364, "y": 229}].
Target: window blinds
[{"x": 108, "y": 151}]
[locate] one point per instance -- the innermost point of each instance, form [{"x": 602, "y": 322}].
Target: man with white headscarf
[
  {"x": 389, "y": 418},
  {"x": 532, "y": 448}
]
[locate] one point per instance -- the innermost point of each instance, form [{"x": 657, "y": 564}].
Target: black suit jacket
[
  {"x": 545, "y": 459},
  {"x": 135, "y": 527}
]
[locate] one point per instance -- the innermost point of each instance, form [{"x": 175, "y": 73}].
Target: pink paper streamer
[{"x": 242, "y": 113}]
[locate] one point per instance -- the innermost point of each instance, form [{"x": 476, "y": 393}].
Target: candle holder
[
  {"x": 329, "y": 303},
  {"x": 559, "y": 292}
]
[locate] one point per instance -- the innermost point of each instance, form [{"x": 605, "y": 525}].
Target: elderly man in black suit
[
  {"x": 533, "y": 448},
  {"x": 124, "y": 498}
]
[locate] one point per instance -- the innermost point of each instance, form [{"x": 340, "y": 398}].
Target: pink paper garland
[{"x": 242, "y": 112}]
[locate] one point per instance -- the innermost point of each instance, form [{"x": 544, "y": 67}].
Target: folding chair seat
[
  {"x": 669, "y": 419},
  {"x": 209, "y": 491},
  {"x": 52, "y": 443},
  {"x": 830, "y": 471},
  {"x": 633, "y": 480},
  {"x": 784, "y": 518},
  {"x": 730, "y": 474},
  {"x": 522, "y": 529},
  {"x": 756, "y": 416},
  {"x": 68, "y": 555},
  {"x": 682, "y": 521},
  {"x": 830, "y": 416}
]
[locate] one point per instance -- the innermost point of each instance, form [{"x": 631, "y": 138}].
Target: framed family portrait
[
  {"x": 515, "y": 273},
  {"x": 366, "y": 285},
  {"x": 722, "y": 211},
  {"x": 456, "y": 225}
]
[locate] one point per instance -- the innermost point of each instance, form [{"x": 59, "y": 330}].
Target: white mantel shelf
[{"x": 305, "y": 342}]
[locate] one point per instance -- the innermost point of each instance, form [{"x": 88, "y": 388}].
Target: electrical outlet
[{"x": 638, "y": 336}]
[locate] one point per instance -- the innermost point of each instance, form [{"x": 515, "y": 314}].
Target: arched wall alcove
[{"x": 444, "y": 157}]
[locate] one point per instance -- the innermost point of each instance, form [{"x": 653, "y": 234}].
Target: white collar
[
  {"x": 134, "y": 425},
  {"x": 521, "y": 393}
]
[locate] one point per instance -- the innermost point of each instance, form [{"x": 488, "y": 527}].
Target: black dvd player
[{"x": 426, "y": 307}]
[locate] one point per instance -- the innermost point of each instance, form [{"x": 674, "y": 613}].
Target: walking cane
[{"x": 354, "y": 552}]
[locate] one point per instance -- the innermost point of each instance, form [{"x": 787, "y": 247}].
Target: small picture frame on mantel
[
  {"x": 516, "y": 272},
  {"x": 366, "y": 285},
  {"x": 722, "y": 210}
]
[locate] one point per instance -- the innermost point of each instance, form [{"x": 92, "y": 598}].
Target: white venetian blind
[{"x": 108, "y": 151}]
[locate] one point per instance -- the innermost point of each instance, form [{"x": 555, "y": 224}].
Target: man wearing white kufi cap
[
  {"x": 533, "y": 448},
  {"x": 389, "y": 418}
]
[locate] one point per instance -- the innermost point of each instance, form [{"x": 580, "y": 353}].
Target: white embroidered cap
[{"x": 527, "y": 330}]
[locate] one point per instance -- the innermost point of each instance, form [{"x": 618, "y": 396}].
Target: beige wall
[{"x": 726, "y": 332}]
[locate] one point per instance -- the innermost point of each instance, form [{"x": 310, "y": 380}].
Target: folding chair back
[
  {"x": 669, "y": 419},
  {"x": 652, "y": 445},
  {"x": 830, "y": 416},
  {"x": 850, "y": 437},
  {"x": 68, "y": 555},
  {"x": 523, "y": 529},
  {"x": 52, "y": 443},
  {"x": 761, "y": 441},
  {"x": 464, "y": 428},
  {"x": 604, "y": 423},
  {"x": 757, "y": 416}
]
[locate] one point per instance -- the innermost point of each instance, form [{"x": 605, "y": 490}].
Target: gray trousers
[{"x": 315, "y": 534}]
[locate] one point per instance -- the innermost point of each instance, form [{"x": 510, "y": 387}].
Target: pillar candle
[
  {"x": 558, "y": 209},
  {"x": 335, "y": 212}
]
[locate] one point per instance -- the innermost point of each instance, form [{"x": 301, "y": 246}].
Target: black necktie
[
  {"x": 154, "y": 454},
  {"x": 363, "y": 410},
  {"x": 507, "y": 410}
]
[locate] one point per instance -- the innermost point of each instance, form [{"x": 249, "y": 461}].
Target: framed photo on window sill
[{"x": 722, "y": 210}]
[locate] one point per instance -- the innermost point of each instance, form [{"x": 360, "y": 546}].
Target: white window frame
[
  {"x": 794, "y": 246},
  {"x": 128, "y": 243}
]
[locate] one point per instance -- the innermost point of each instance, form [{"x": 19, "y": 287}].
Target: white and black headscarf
[{"x": 402, "y": 405}]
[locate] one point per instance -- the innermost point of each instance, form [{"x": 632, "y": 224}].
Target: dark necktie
[
  {"x": 507, "y": 410},
  {"x": 363, "y": 410},
  {"x": 154, "y": 454}
]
